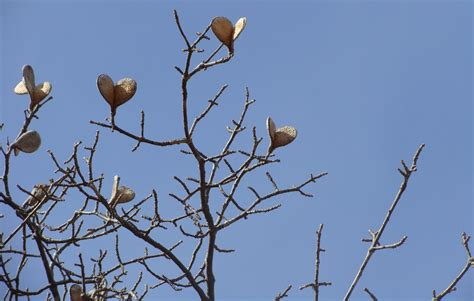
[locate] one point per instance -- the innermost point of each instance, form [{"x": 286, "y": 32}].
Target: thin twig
[{"x": 406, "y": 173}]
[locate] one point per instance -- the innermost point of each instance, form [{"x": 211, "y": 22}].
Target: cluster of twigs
[
  {"x": 375, "y": 245},
  {"x": 98, "y": 217},
  {"x": 201, "y": 221}
]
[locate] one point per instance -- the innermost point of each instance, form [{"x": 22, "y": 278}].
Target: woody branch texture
[
  {"x": 210, "y": 202},
  {"x": 210, "y": 198}
]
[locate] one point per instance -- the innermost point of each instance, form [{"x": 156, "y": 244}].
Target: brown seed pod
[
  {"x": 120, "y": 194},
  {"x": 29, "y": 79},
  {"x": 28, "y": 142},
  {"x": 279, "y": 137},
  {"x": 117, "y": 94},
  {"x": 223, "y": 30},
  {"x": 41, "y": 92},
  {"x": 125, "y": 195},
  {"x": 27, "y": 86},
  {"x": 271, "y": 128},
  {"x": 106, "y": 88},
  {"x": 284, "y": 136},
  {"x": 124, "y": 91}
]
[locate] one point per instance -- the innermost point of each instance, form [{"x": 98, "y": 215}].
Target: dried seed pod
[
  {"x": 120, "y": 194},
  {"x": 124, "y": 91},
  {"x": 223, "y": 30},
  {"x": 279, "y": 137},
  {"x": 117, "y": 94},
  {"x": 226, "y": 32},
  {"x": 41, "y": 92},
  {"x": 29, "y": 79},
  {"x": 38, "y": 193},
  {"x": 106, "y": 88},
  {"x": 271, "y": 128},
  {"x": 125, "y": 195},
  {"x": 28, "y": 142},
  {"x": 239, "y": 27},
  {"x": 20, "y": 88},
  {"x": 27, "y": 86},
  {"x": 284, "y": 136}
]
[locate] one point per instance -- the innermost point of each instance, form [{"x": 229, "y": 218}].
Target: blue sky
[{"x": 364, "y": 83}]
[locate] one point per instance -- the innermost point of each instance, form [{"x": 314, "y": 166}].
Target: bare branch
[
  {"x": 469, "y": 264},
  {"x": 375, "y": 241},
  {"x": 316, "y": 283},
  {"x": 283, "y": 294},
  {"x": 371, "y": 295}
]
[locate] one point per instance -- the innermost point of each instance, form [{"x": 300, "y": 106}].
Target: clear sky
[{"x": 364, "y": 82}]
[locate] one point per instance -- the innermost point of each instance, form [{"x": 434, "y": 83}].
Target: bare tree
[
  {"x": 99, "y": 216},
  {"x": 209, "y": 203}
]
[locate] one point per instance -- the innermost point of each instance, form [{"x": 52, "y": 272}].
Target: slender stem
[
  {"x": 375, "y": 241},
  {"x": 316, "y": 272}
]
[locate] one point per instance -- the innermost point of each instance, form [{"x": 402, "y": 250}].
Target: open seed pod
[
  {"x": 226, "y": 32},
  {"x": 38, "y": 193},
  {"x": 28, "y": 86},
  {"x": 28, "y": 142},
  {"x": 281, "y": 136},
  {"x": 116, "y": 94},
  {"x": 120, "y": 194}
]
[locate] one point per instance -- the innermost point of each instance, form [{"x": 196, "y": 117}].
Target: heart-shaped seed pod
[
  {"x": 28, "y": 142},
  {"x": 27, "y": 86},
  {"x": 239, "y": 27},
  {"x": 38, "y": 193},
  {"x": 117, "y": 94},
  {"x": 279, "y": 137},
  {"x": 223, "y": 30}
]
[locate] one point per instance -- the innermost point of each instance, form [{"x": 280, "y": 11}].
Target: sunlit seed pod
[
  {"x": 124, "y": 91},
  {"x": 29, "y": 79},
  {"x": 284, "y": 136},
  {"x": 28, "y": 142},
  {"x": 20, "y": 88},
  {"x": 38, "y": 193},
  {"x": 41, "y": 92},
  {"x": 27, "y": 86},
  {"x": 223, "y": 30},
  {"x": 106, "y": 88},
  {"x": 125, "y": 194},
  {"x": 239, "y": 27},
  {"x": 279, "y": 137},
  {"x": 271, "y": 128}
]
